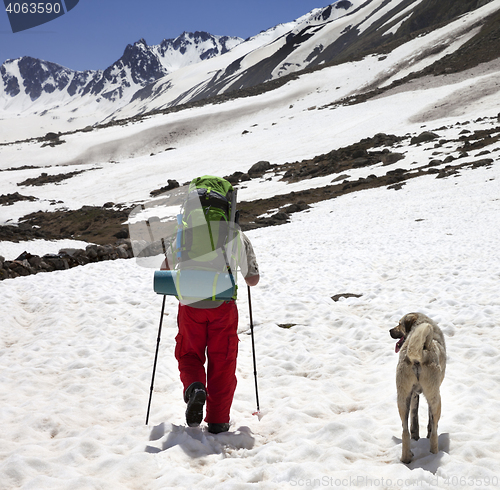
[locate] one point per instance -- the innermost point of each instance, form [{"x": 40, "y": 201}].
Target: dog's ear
[{"x": 409, "y": 320}]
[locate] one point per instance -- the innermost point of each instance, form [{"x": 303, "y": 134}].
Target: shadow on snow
[{"x": 197, "y": 442}]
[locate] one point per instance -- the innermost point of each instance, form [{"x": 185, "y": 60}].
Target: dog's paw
[{"x": 406, "y": 458}]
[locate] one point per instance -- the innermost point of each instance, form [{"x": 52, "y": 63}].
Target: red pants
[{"x": 211, "y": 333}]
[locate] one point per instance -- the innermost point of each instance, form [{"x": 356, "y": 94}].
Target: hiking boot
[
  {"x": 217, "y": 428},
  {"x": 195, "y": 397}
]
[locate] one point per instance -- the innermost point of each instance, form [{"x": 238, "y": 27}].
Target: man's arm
[{"x": 249, "y": 265}]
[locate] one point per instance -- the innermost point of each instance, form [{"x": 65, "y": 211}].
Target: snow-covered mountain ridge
[
  {"x": 185, "y": 70},
  {"x": 27, "y": 80}
]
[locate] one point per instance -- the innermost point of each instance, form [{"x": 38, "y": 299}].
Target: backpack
[
  {"x": 206, "y": 242},
  {"x": 204, "y": 223}
]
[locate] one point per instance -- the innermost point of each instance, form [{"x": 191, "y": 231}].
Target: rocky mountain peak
[{"x": 139, "y": 65}]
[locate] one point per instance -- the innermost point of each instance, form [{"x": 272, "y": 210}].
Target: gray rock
[{"x": 259, "y": 168}]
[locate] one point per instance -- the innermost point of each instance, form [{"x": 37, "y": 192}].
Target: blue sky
[{"x": 94, "y": 34}]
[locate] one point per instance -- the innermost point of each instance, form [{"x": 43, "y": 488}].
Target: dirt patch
[
  {"x": 44, "y": 178},
  {"x": 101, "y": 225},
  {"x": 9, "y": 199},
  {"x": 337, "y": 297},
  {"x": 24, "y": 167}
]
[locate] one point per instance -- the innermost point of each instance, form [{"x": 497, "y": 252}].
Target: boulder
[
  {"x": 259, "y": 168},
  {"x": 424, "y": 137}
]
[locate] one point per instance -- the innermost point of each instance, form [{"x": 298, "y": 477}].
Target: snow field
[{"x": 78, "y": 353}]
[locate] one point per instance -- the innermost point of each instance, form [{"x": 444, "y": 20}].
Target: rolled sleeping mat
[{"x": 195, "y": 284}]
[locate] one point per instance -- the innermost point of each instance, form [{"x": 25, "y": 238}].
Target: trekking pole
[
  {"x": 156, "y": 358},
  {"x": 253, "y": 352}
]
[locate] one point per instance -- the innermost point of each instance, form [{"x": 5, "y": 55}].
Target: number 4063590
[{"x": 33, "y": 8}]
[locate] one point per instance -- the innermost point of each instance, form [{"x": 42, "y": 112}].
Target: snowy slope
[{"x": 77, "y": 346}]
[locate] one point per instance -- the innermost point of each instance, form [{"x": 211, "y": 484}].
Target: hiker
[{"x": 208, "y": 329}]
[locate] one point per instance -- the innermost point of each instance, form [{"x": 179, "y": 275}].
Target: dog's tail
[{"x": 421, "y": 337}]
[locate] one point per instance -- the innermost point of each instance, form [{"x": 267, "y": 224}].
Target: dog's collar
[{"x": 399, "y": 344}]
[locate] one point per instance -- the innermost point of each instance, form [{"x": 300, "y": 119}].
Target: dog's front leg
[
  {"x": 404, "y": 412},
  {"x": 414, "y": 429}
]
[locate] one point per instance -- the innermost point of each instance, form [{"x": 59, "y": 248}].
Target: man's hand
[{"x": 252, "y": 280}]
